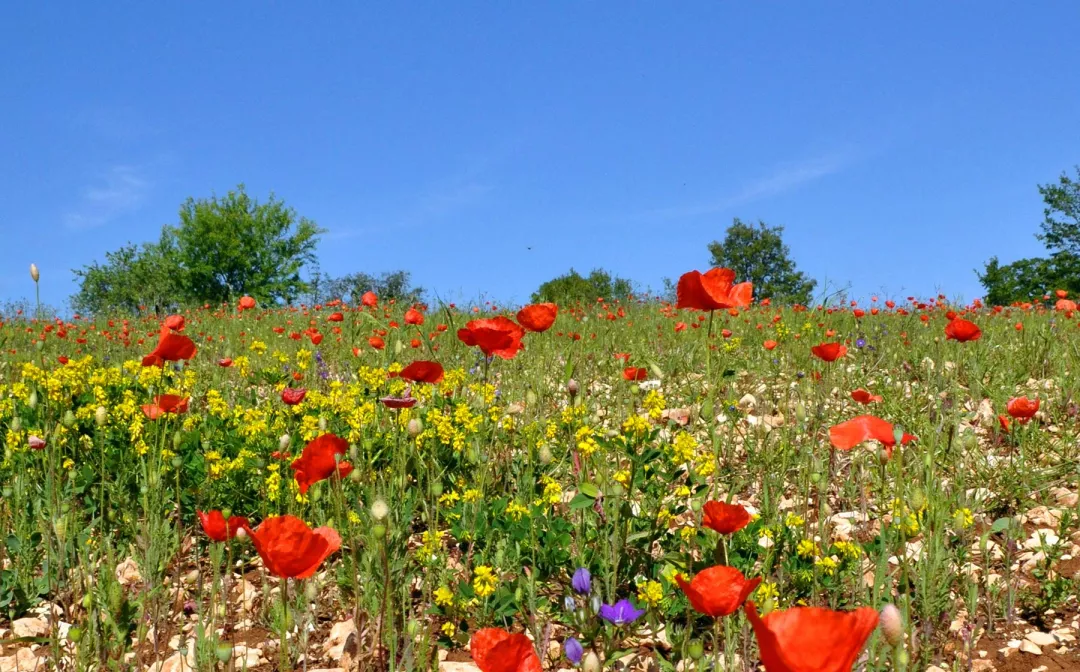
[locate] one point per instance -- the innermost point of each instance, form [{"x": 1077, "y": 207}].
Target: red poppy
[
  {"x": 829, "y": 352},
  {"x": 726, "y": 333},
  {"x": 369, "y": 299},
  {"x": 405, "y": 401},
  {"x": 317, "y": 461},
  {"x": 847, "y": 435},
  {"x": 63, "y": 360},
  {"x": 863, "y": 397},
  {"x": 769, "y": 344},
  {"x": 36, "y": 443},
  {"x": 538, "y": 317},
  {"x": 713, "y": 290},
  {"x": 1003, "y": 420},
  {"x": 624, "y": 356},
  {"x": 634, "y": 373},
  {"x": 414, "y": 316},
  {"x": 494, "y": 336},
  {"x": 175, "y": 322},
  {"x": 376, "y": 342},
  {"x": 170, "y": 348},
  {"x": 293, "y": 395},
  {"x": 1061, "y": 293},
  {"x": 165, "y": 403},
  {"x": 811, "y": 639},
  {"x": 725, "y": 518},
  {"x": 219, "y": 528},
  {"x": 292, "y": 550},
  {"x": 225, "y": 362},
  {"x": 962, "y": 330},
  {"x": 496, "y": 650},
  {"x": 247, "y": 303},
  {"x": 1065, "y": 305},
  {"x": 423, "y": 372},
  {"x": 717, "y": 591},
  {"x": 1022, "y": 408}
]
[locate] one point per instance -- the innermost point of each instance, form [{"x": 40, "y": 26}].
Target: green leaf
[
  {"x": 589, "y": 489},
  {"x": 581, "y": 501}
]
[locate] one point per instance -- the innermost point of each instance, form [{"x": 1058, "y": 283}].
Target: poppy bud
[
  {"x": 177, "y": 439},
  {"x": 177, "y": 462},
  {"x": 883, "y": 455},
  {"x": 322, "y": 424},
  {"x": 311, "y": 591},
  {"x": 800, "y": 412},
  {"x": 892, "y": 624},
  {"x": 545, "y": 455},
  {"x": 101, "y": 416},
  {"x": 530, "y": 398},
  {"x": 16, "y": 423},
  {"x": 33, "y": 400},
  {"x": 60, "y": 527},
  {"x": 412, "y": 628},
  {"x": 379, "y": 531},
  {"x": 918, "y": 499},
  {"x": 414, "y": 427},
  {"x": 591, "y": 663},
  {"x": 283, "y": 442},
  {"x": 34, "y": 274},
  {"x": 223, "y": 651},
  {"x": 68, "y": 419},
  {"x": 436, "y": 489},
  {"x": 379, "y": 509},
  {"x": 572, "y": 388},
  {"x": 87, "y": 601},
  {"x": 241, "y": 533}
]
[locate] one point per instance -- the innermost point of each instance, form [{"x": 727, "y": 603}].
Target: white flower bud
[
  {"x": 379, "y": 509},
  {"x": 34, "y": 272},
  {"x": 101, "y": 416},
  {"x": 892, "y": 624},
  {"x": 283, "y": 442}
]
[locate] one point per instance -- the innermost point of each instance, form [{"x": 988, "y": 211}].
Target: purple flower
[
  {"x": 574, "y": 650},
  {"x": 860, "y": 342},
  {"x": 582, "y": 581},
  {"x": 620, "y": 613}
]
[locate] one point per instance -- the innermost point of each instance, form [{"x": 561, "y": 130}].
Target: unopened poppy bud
[
  {"x": 283, "y": 442},
  {"x": 241, "y": 533},
  {"x": 16, "y": 423},
  {"x": 530, "y": 398},
  {"x": 34, "y": 274},
  {"x": 545, "y": 454},
  {"x": 177, "y": 439},
  {"x": 572, "y": 388},
  {"x": 414, "y": 427},
  {"x": 101, "y": 416},
  {"x": 591, "y": 663},
  {"x": 68, "y": 419},
  {"x": 311, "y": 591},
  {"x": 379, "y": 509},
  {"x": 322, "y": 424},
  {"x": 412, "y": 628},
  {"x": 60, "y": 527},
  {"x": 32, "y": 402},
  {"x": 883, "y": 454},
  {"x": 892, "y": 624},
  {"x": 800, "y": 412},
  {"x": 918, "y": 499}
]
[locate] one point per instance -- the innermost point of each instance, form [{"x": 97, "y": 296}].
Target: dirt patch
[{"x": 1019, "y": 661}]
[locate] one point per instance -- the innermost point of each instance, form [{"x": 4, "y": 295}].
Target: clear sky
[{"x": 899, "y": 143}]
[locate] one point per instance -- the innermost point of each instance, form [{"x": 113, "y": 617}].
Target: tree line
[{"x": 224, "y": 247}]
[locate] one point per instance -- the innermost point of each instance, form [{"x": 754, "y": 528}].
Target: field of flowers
[{"x": 715, "y": 484}]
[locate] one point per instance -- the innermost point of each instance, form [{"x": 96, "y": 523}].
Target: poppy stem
[{"x": 283, "y": 657}]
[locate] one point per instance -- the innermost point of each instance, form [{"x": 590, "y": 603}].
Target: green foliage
[
  {"x": 390, "y": 285},
  {"x": 234, "y": 245},
  {"x": 222, "y": 249},
  {"x": 758, "y": 254},
  {"x": 1028, "y": 279},
  {"x": 576, "y": 288}
]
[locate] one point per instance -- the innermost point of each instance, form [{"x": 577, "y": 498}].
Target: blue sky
[{"x": 900, "y": 144}]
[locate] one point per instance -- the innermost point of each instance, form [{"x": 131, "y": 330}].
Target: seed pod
[{"x": 414, "y": 427}]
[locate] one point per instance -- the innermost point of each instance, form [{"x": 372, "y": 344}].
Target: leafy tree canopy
[
  {"x": 390, "y": 285},
  {"x": 757, "y": 254},
  {"x": 1027, "y": 279},
  {"x": 222, "y": 248},
  {"x": 576, "y": 288}
]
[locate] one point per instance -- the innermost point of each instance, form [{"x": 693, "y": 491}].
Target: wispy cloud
[
  {"x": 119, "y": 190},
  {"x": 783, "y": 178}
]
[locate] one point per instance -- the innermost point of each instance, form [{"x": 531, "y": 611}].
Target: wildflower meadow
[{"x": 708, "y": 483}]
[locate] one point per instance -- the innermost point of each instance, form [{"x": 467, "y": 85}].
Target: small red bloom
[
  {"x": 175, "y": 322},
  {"x": 1022, "y": 408},
  {"x": 713, "y": 290},
  {"x": 217, "y": 527},
  {"x": 829, "y": 352},
  {"x": 293, "y": 395},
  {"x": 496, "y": 650},
  {"x": 414, "y": 316},
  {"x": 318, "y": 462},
  {"x": 538, "y": 317},
  {"x": 63, "y": 360},
  {"x": 165, "y": 403},
  {"x": 291, "y": 549},
  {"x": 376, "y": 342},
  {"x": 225, "y": 362},
  {"x": 369, "y": 299},
  {"x": 499, "y": 336},
  {"x": 863, "y": 397},
  {"x": 422, "y": 371},
  {"x": 847, "y": 435},
  {"x": 811, "y": 639},
  {"x": 769, "y": 344},
  {"x": 962, "y": 330},
  {"x": 725, "y": 518},
  {"x": 717, "y": 591},
  {"x": 335, "y": 317},
  {"x": 170, "y": 348},
  {"x": 247, "y": 303},
  {"x": 635, "y": 373}
]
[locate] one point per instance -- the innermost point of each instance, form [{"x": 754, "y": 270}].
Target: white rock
[
  {"x": 30, "y": 627},
  {"x": 1029, "y": 647},
  {"x": 1041, "y": 638},
  {"x": 127, "y": 572},
  {"x": 22, "y": 660}
]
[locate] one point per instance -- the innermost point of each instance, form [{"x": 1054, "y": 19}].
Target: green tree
[
  {"x": 130, "y": 278},
  {"x": 234, "y": 245},
  {"x": 1032, "y": 278},
  {"x": 396, "y": 285},
  {"x": 757, "y": 254},
  {"x": 576, "y": 288}
]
